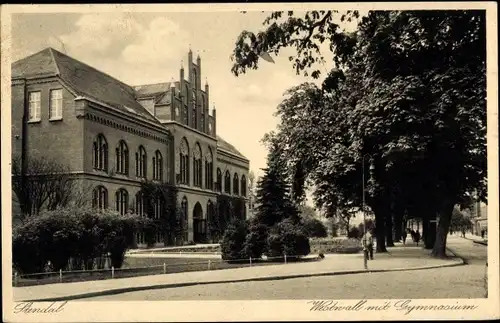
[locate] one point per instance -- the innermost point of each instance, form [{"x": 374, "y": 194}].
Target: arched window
[
  {"x": 140, "y": 206},
  {"x": 243, "y": 185},
  {"x": 210, "y": 211},
  {"x": 121, "y": 198},
  {"x": 197, "y": 168},
  {"x": 227, "y": 183},
  {"x": 122, "y": 158},
  {"x": 158, "y": 207},
  {"x": 209, "y": 170},
  {"x": 158, "y": 166},
  {"x": 219, "y": 180},
  {"x": 100, "y": 198},
  {"x": 100, "y": 153},
  {"x": 184, "y": 210},
  {"x": 141, "y": 162},
  {"x": 236, "y": 184},
  {"x": 184, "y": 162}
]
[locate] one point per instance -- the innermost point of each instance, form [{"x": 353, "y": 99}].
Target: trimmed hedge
[{"x": 81, "y": 237}]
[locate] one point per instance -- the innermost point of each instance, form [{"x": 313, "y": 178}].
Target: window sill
[
  {"x": 56, "y": 119},
  {"x": 34, "y": 120}
]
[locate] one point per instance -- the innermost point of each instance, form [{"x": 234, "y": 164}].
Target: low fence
[{"x": 62, "y": 276}]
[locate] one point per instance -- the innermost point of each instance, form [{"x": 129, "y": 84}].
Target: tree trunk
[
  {"x": 398, "y": 226},
  {"x": 380, "y": 231},
  {"x": 439, "y": 250},
  {"x": 426, "y": 232},
  {"x": 388, "y": 230}
]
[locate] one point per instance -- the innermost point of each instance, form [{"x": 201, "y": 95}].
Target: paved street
[{"x": 453, "y": 282}]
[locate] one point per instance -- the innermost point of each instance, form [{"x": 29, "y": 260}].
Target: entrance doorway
[{"x": 199, "y": 225}]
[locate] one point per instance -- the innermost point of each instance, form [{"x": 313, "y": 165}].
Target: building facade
[{"x": 113, "y": 136}]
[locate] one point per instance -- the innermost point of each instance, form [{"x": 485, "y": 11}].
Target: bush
[
  {"x": 287, "y": 238},
  {"x": 256, "y": 240},
  {"x": 233, "y": 241},
  {"x": 314, "y": 227},
  {"x": 78, "y": 236},
  {"x": 354, "y": 233}
]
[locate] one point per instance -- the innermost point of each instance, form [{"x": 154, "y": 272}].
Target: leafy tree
[{"x": 403, "y": 76}]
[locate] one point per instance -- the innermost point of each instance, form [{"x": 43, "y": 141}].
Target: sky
[{"x": 140, "y": 48}]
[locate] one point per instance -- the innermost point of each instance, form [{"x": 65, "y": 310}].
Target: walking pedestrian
[
  {"x": 417, "y": 237},
  {"x": 482, "y": 234},
  {"x": 404, "y": 235},
  {"x": 367, "y": 241}
]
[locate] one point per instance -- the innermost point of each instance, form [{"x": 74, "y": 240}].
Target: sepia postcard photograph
[{"x": 249, "y": 162}]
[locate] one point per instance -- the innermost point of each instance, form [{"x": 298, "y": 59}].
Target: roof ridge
[
  {"x": 51, "y": 51},
  {"x": 151, "y": 84},
  {"x": 95, "y": 69},
  {"x": 29, "y": 56}
]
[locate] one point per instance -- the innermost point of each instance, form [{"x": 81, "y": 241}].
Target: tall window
[
  {"x": 197, "y": 168},
  {"x": 122, "y": 158},
  {"x": 210, "y": 211},
  {"x": 158, "y": 166},
  {"x": 158, "y": 206},
  {"x": 209, "y": 170},
  {"x": 236, "y": 184},
  {"x": 140, "y": 210},
  {"x": 141, "y": 162},
  {"x": 219, "y": 180},
  {"x": 227, "y": 182},
  {"x": 185, "y": 113},
  {"x": 100, "y": 198},
  {"x": 100, "y": 153},
  {"x": 121, "y": 198},
  {"x": 202, "y": 121},
  {"x": 243, "y": 186},
  {"x": 55, "y": 109},
  {"x": 139, "y": 204},
  {"x": 184, "y": 210},
  {"x": 184, "y": 162},
  {"x": 34, "y": 113}
]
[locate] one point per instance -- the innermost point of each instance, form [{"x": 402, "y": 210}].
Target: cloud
[
  {"x": 162, "y": 41},
  {"x": 101, "y": 34}
]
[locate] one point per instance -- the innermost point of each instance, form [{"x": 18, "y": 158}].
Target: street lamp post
[{"x": 372, "y": 167}]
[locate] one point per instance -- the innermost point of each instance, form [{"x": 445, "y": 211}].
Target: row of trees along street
[{"x": 407, "y": 91}]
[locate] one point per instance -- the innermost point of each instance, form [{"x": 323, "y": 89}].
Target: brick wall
[{"x": 59, "y": 140}]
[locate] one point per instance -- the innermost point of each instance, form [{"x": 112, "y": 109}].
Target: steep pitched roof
[
  {"x": 82, "y": 78},
  {"x": 224, "y": 145}
]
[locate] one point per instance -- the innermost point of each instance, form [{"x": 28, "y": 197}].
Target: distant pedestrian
[
  {"x": 405, "y": 234},
  {"x": 417, "y": 237},
  {"x": 463, "y": 232},
  {"x": 412, "y": 233},
  {"x": 367, "y": 241},
  {"x": 451, "y": 232},
  {"x": 482, "y": 234}
]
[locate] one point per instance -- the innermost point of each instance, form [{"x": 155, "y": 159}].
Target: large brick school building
[{"x": 113, "y": 136}]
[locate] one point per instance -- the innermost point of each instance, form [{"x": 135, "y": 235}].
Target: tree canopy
[{"x": 407, "y": 94}]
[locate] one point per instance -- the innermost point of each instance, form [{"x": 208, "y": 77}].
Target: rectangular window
[
  {"x": 55, "y": 109},
  {"x": 34, "y": 113}
]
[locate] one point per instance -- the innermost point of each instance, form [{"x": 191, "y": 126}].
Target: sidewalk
[
  {"x": 473, "y": 237},
  {"x": 398, "y": 258}
]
